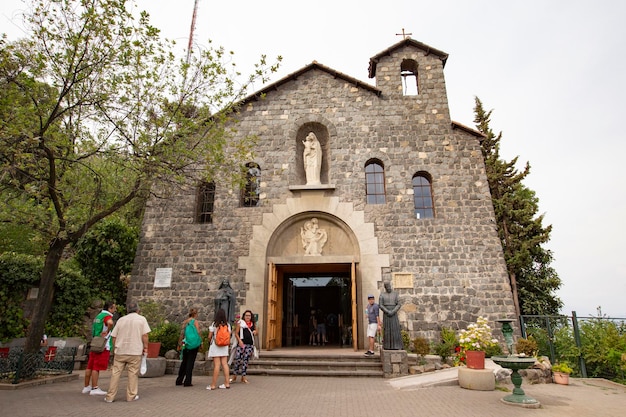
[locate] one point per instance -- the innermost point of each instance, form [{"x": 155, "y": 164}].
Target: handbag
[{"x": 98, "y": 343}]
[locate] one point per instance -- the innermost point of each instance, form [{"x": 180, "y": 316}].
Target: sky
[{"x": 553, "y": 72}]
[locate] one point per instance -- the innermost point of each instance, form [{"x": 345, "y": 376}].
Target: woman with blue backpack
[{"x": 189, "y": 342}]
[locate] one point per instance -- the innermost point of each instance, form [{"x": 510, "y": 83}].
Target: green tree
[
  {"x": 107, "y": 115},
  {"x": 105, "y": 254},
  {"x": 533, "y": 280}
]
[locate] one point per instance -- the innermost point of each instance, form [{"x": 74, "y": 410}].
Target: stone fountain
[{"x": 515, "y": 363}]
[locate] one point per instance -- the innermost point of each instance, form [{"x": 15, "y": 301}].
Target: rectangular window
[{"x": 206, "y": 199}]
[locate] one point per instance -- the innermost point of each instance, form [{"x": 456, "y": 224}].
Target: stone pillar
[{"x": 395, "y": 363}]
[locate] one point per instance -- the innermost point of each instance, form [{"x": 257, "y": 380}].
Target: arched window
[
  {"x": 423, "y": 196},
  {"x": 408, "y": 71},
  {"x": 375, "y": 182},
  {"x": 252, "y": 188},
  {"x": 205, "y": 201}
]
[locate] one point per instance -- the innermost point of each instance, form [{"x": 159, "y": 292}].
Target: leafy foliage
[
  {"x": 446, "y": 347},
  {"x": 106, "y": 254},
  {"x": 18, "y": 273},
  {"x": 98, "y": 112},
  {"x": 527, "y": 347},
  {"x": 520, "y": 228},
  {"x": 421, "y": 346}
]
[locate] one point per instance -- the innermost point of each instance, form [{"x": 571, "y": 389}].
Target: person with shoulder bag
[
  {"x": 218, "y": 351},
  {"x": 244, "y": 332},
  {"x": 99, "y": 355},
  {"x": 189, "y": 343}
]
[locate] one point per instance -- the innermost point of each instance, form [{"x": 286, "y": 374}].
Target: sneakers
[
  {"x": 369, "y": 353},
  {"x": 97, "y": 391},
  {"x": 106, "y": 400},
  {"x": 87, "y": 389},
  {"x": 136, "y": 398}
]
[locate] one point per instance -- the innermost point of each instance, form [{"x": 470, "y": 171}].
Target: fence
[
  {"x": 16, "y": 365},
  {"x": 561, "y": 339}
]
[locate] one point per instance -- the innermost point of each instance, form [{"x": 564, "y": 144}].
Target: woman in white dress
[{"x": 219, "y": 353}]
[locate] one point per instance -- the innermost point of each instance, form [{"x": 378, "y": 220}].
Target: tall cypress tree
[{"x": 533, "y": 280}]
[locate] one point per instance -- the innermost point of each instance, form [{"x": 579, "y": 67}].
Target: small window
[
  {"x": 206, "y": 199},
  {"x": 252, "y": 188},
  {"x": 408, "y": 73},
  {"x": 423, "y": 196},
  {"x": 375, "y": 182}
]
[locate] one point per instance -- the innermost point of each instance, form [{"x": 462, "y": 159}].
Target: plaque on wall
[
  {"x": 163, "y": 278},
  {"x": 402, "y": 280}
]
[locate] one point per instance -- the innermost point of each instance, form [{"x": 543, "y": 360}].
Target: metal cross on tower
[{"x": 404, "y": 35}]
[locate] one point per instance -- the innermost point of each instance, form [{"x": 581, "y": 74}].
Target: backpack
[
  {"x": 192, "y": 338},
  {"x": 222, "y": 335}
]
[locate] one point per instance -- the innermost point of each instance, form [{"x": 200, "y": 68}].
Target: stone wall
[{"x": 454, "y": 261}]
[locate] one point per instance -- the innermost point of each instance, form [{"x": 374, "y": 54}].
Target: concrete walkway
[{"x": 272, "y": 396}]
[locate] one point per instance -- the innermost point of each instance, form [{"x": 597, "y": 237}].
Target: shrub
[
  {"x": 406, "y": 340},
  {"x": 562, "y": 367},
  {"x": 421, "y": 346},
  {"x": 527, "y": 347},
  {"x": 167, "y": 333},
  {"x": 446, "y": 347}
]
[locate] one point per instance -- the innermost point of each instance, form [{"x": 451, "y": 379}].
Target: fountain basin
[{"x": 515, "y": 363}]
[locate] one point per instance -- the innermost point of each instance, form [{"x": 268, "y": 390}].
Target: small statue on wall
[
  {"x": 312, "y": 159},
  {"x": 313, "y": 238}
]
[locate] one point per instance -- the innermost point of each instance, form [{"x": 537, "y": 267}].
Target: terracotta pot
[
  {"x": 560, "y": 378},
  {"x": 153, "y": 349},
  {"x": 475, "y": 359}
]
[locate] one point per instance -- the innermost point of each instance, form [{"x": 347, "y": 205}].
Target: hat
[{"x": 370, "y": 296}]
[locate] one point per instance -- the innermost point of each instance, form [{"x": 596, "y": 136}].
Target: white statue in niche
[
  {"x": 312, "y": 159},
  {"x": 313, "y": 238}
]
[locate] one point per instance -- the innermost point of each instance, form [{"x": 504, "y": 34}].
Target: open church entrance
[
  {"x": 326, "y": 297},
  {"x": 325, "y": 289}
]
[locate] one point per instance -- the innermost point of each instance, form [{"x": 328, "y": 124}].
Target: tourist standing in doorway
[
  {"x": 372, "y": 311},
  {"x": 99, "y": 361},
  {"x": 244, "y": 332},
  {"x": 219, "y": 353},
  {"x": 312, "y": 329},
  {"x": 321, "y": 328},
  {"x": 130, "y": 341}
]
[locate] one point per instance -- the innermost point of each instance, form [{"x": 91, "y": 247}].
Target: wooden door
[
  {"x": 354, "y": 315},
  {"x": 271, "y": 329}
]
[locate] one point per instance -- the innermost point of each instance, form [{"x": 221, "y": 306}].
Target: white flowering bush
[{"x": 477, "y": 336}]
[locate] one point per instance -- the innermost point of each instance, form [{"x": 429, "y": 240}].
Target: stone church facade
[{"x": 401, "y": 196}]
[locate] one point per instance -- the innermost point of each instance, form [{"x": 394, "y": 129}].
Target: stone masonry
[{"x": 448, "y": 269}]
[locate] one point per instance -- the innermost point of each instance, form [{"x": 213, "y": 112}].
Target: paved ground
[{"x": 271, "y": 396}]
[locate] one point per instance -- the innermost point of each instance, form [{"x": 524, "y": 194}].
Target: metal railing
[
  {"x": 546, "y": 329},
  {"x": 16, "y": 365}
]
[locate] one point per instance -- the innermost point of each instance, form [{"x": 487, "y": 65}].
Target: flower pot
[
  {"x": 153, "y": 349},
  {"x": 560, "y": 378},
  {"x": 475, "y": 359}
]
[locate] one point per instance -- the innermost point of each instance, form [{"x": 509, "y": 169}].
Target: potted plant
[
  {"x": 474, "y": 341},
  {"x": 560, "y": 373}
]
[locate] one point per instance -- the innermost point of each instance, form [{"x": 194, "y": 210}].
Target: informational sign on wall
[
  {"x": 402, "y": 280},
  {"x": 163, "y": 278}
]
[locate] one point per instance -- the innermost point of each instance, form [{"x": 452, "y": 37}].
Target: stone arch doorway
[
  {"x": 300, "y": 281},
  {"x": 275, "y": 252},
  {"x": 325, "y": 290}
]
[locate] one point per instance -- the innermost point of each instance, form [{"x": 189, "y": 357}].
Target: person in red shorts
[{"x": 102, "y": 325}]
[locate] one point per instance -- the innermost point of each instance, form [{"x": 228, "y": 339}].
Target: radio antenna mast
[{"x": 193, "y": 27}]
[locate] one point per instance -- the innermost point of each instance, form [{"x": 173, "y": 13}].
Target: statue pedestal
[{"x": 395, "y": 363}]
